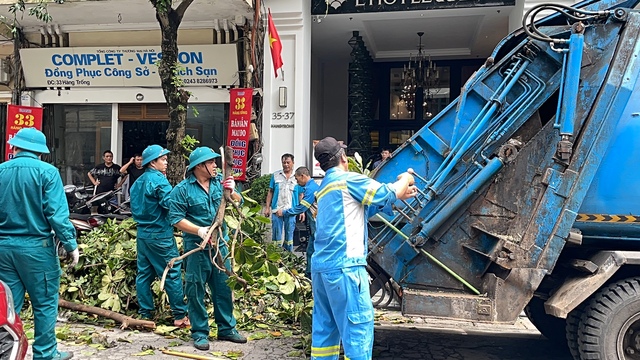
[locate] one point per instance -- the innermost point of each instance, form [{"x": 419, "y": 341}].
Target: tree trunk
[{"x": 176, "y": 97}]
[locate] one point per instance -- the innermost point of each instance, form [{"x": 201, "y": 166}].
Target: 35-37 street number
[{"x": 282, "y": 115}]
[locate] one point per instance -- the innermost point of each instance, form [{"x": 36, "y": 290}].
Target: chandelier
[{"x": 420, "y": 74}]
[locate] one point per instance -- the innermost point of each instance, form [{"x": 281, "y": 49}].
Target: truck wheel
[
  {"x": 610, "y": 325},
  {"x": 573, "y": 322},
  {"x": 551, "y": 327}
]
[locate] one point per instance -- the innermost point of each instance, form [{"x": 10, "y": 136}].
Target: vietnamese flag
[{"x": 275, "y": 45}]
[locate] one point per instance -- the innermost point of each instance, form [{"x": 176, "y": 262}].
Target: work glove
[
  {"x": 75, "y": 256},
  {"x": 202, "y": 232},
  {"x": 229, "y": 184}
]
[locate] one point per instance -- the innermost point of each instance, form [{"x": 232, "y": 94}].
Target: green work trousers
[
  {"x": 153, "y": 257},
  {"x": 35, "y": 270},
  {"x": 200, "y": 271}
]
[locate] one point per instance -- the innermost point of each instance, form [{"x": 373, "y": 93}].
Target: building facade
[
  {"x": 97, "y": 79},
  {"x": 345, "y": 61}
]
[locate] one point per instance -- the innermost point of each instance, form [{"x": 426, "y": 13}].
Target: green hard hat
[
  {"x": 201, "y": 154},
  {"x": 153, "y": 152},
  {"x": 30, "y": 139}
]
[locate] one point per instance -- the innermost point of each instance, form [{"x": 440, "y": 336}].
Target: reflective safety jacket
[
  {"x": 150, "y": 204},
  {"x": 306, "y": 205},
  {"x": 33, "y": 203},
  {"x": 346, "y": 200}
]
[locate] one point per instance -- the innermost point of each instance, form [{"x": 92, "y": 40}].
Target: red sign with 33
[{"x": 19, "y": 117}]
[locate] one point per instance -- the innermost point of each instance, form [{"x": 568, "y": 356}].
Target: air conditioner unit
[
  {"x": 26, "y": 98},
  {"x": 5, "y": 71}
]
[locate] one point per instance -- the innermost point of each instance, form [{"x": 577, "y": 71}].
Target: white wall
[{"x": 293, "y": 22}]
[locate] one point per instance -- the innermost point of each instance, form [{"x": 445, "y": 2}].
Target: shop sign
[
  {"x": 19, "y": 117},
  {"x": 324, "y": 7},
  {"x": 200, "y": 65},
  {"x": 239, "y": 130}
]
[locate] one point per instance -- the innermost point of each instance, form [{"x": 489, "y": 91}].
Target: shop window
[
  {"x": 399, "y": 107},
  {"x": 398, "y": 137},
  {"x": 82, "y": 134},
  {"x": 375, "y": 138},
  {"x": 433, "y": 96}
]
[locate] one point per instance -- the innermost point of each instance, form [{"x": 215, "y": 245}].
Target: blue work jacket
[
  {"x": 346, "y": 198},
  {"x": 150, "y": 204},
  {"x": 33, "y": 204},
  {"x": 306, "y": 204}
]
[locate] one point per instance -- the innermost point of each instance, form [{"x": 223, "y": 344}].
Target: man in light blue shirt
[{"x": 283, "y": 194}]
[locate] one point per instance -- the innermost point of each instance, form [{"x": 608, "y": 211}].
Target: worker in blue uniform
[
  {"x": 193, "y": 206},
  {"x": 306, "y": 208},
  {"x": 34, "y": 206},
  {"x": 342, "y": 309},
  {"x": 155, "y": 243}
]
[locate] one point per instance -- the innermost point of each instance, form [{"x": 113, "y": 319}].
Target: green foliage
[
  {"x": 355, "y": 165},
  {"x": 38, "y": 10},
  {"x": 260, "y": 188},
  {"x": 188, "y": 144},
  {"x": 105, "y": 275},
  {"x": 276, "y": 295}
]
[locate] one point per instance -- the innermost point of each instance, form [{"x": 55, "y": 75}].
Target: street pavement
[{"x": 396, "y": 337}]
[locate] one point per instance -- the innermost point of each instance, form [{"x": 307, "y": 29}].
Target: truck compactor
[{"x": 529, "y": 188}]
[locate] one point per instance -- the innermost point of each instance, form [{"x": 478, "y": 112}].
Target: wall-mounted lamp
[
  {"x": 139, "y": 97},
  {"x": 282, "y": 97}
]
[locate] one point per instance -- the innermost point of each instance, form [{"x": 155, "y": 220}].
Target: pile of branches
[{"x": 269, "y": 289}]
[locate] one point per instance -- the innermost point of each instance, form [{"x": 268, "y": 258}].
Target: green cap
[
  {"x": 153, "y": 152},
  {"x": 200, "y": 155},
  {"x": 30, "y": 139}
]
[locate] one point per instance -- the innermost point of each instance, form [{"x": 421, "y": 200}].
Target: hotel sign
[{"x": 322, "y": 7}]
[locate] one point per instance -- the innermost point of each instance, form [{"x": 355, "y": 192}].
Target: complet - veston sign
[
  {"x": 201, "y": 65},
  {"x": 322, "y": 7}
]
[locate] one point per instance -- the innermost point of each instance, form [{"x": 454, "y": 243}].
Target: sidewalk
[{"x": 146, "y": 345}]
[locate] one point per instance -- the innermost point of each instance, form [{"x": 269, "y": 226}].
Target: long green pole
[{"x": 433, "y": 258}]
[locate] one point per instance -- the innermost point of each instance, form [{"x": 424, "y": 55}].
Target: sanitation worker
[
  {"x": 155, "y": 243},
  {"x": 193, "y": 207},
  {"x": 306, "y": 208},
  {"x": 34, "y": 204},
  {"x": 342, "y": 309}
]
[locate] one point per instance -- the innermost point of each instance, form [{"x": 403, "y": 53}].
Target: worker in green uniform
[
  {"x": 34, "y": 204},
  {"x": 155, "y": 243},
  {"x": 193, "y": 206}
]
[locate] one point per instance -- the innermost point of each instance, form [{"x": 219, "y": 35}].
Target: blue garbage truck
[{"x": 529, "y": 188}]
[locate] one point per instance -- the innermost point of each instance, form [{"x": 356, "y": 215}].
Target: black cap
[{"x": 327, "y": 148}]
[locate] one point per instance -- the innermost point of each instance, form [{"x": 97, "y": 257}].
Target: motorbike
[{"x": 81, "y": 202}]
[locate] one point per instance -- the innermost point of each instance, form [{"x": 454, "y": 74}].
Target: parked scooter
[{"x": 81, "y": 202}]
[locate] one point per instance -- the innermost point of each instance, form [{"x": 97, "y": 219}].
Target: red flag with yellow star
[{"x": 275, "y": 45}]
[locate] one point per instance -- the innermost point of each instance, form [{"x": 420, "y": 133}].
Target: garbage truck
[{"x": 529, "y": 188}]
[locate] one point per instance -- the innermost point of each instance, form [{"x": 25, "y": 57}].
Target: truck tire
[
  {"x": 573, "y": 322},
  {"x": 610, "y": 325},
  {"x": 551, "y": 327}
]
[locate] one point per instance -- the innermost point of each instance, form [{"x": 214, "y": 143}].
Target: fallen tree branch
[
  {"x": 218, "y": 220},
  {"x": 125, "y": 321}
]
